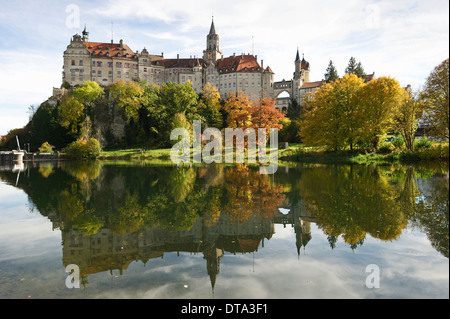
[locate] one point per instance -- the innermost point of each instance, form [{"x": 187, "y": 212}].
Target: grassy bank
[{"x": 436, "y": 152}]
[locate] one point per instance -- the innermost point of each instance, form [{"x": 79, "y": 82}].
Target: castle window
[
  {"x": 99, "y": 63},
  {"x": 73, "y": 62},
  {"x": 110, "y": 64},
  {"x": 119, "y": 74},
  {"x": 81, "y": 63}
]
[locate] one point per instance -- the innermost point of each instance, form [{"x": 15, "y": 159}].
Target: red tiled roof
[
  {"x": 112, "y": 48},
  {"x": 238, "y": 63},
  {"x": 370, "y": 77},
  {"x": 311, "y": 85},
  {"x": 183, "y": 63}
]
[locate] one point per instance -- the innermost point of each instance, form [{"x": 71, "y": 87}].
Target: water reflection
[{"x": 112, "y": 215}]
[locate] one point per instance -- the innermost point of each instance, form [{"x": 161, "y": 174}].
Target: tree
[
  {"x": 331, "y": 118},
  {"x": 359, "y": 71},
  {"x": 88, "y": 93},
  {"x": 435, "y": 95},
  {"x": 351, "y": 67},
  {"x": 355, "y": 68},
  {"x": 380, "y": 100},
  {"x": 71, "y": 114},
  {"x": 128, "y": 96},
  {"x": 238, "y": 108},
  {"x": 209, "y": 106},
  {"x": 265, "y": 115},
  {"x": 407, "y": 118},
  {"x": 164, "y": 102},
  {"x": 331, "y": 73}
]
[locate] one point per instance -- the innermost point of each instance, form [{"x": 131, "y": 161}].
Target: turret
[{"x": 212, "y": 52}]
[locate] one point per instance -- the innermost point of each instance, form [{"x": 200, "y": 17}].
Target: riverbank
[{"x": 438, "y": 152}]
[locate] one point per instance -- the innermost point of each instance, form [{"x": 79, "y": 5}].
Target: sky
[{"x": 397, "y": 38}]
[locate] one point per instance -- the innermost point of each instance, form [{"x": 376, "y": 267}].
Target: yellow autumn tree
[
  {"x": 209, "y": 106},
  {"x": 379, "y": 101},
  {"x": 331, "y": 117}
]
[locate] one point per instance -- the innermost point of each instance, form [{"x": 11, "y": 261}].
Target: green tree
[
  {"x": 209, "y": 106},
  {"x": 71, "y": 114},
  {"x": 128, "y": 97},
  {"x": 163, "y": 103},
  {"x": 407, "y": 118},
  {"x": 88, "y": 93},
  {"x": 435, "y": 95},
  {"x": 351, "y": 67},
  {"x": 331, "y": 73},
  {"x": 355, "y": 68}
]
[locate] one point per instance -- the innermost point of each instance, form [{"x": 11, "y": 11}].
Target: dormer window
[
  {"x": 107, "y": 54},
  {"x": 118, "y": 54}
]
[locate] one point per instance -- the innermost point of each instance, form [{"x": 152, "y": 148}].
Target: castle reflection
[
  {"x": 113, "y": 215},
  {"x": 109, "y": 251}
]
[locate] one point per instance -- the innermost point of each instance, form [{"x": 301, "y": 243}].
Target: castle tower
[
  {"x": 212, "y": 52},
  {"x": 298, "y": 62},
  {"x": 85, "y": 34}
]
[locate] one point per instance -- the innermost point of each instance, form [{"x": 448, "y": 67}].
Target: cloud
[{"x": 402, "y": 39}]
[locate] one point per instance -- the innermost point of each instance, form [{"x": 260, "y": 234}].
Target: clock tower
[{"x": 212, "y": 52}]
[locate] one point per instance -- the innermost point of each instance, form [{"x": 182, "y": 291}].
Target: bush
[
  {"x": 422, "y": 143},
  {"x": 398, "y": 142},
  {"x": 83, "y": 148},
  {"x": 46, "y": 148},
  {"x": 427, "y": 153},
  {"x": 385, "y": 148}
]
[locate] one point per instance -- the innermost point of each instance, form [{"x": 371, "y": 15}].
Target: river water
[{"x": 148, "y": 230}]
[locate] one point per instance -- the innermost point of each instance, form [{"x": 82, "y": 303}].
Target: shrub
[
  {"x": 385, "y": 148},
  {"x": 398, "y": 142},
  {"x": 46, "y": 148},
  {"x": 422, "y": 143},
  {"x": 83, "y": 148}
]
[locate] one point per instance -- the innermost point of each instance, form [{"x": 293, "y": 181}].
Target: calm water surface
[{"x": 157, "y": 231}]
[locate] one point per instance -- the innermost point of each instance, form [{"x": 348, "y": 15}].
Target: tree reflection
[
  {"x": 346, "y": 201},
  {"x": 353, "y": 201},
  {"x": 432, "y": 212}
]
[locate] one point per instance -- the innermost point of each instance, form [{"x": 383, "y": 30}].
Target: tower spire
[
  {"x": 297, "y": 58},
  {"x": 212, "y": 30}
]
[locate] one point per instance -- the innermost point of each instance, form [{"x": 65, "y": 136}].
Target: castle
[{"x": 106, "y": 63}]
